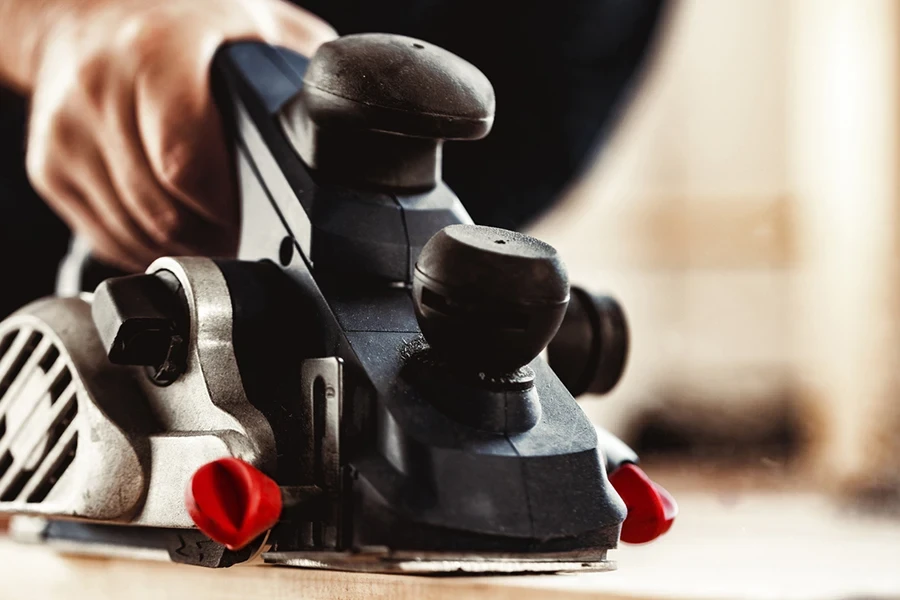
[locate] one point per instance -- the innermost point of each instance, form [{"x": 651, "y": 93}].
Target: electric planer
[{"x": 374, "y": 384}]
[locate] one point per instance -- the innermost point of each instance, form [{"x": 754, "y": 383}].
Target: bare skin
[{"x": 124, "y": 141}]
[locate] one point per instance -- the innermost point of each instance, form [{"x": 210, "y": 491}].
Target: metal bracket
[{"x": 322, "y": 385}]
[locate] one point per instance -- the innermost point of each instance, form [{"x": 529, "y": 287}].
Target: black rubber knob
[
  {"x": 489, "y": 298},
  {"x": 381, "y": 106},
  {"x": 590, "y": 350},
  {"x": 396, "y": 84}
]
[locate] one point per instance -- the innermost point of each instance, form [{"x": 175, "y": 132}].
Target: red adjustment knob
[
  {"x": 651, "y": 509},
  {"x": 232, "y": 502}
]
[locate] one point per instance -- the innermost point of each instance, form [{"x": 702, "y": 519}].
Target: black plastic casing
[{"x": 415, "y": 478}]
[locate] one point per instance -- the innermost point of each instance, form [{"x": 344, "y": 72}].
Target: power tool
[{"x": 375, "y": 383}]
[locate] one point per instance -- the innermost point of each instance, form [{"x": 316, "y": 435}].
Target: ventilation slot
[
  {"x": 5, "y": 343},
  {"x": 40, "y": 492},
  {"x": 21, "y": 349},
  {"x": 38, "y": 413}
]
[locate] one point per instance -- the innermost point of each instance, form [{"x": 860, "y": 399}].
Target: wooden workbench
[{"x": 733, "y": 540}]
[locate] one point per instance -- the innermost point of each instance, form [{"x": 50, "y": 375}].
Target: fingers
[
  {"x": 170, "y": 169},
  {"x": 63, "y": 167},
  {"x": 180, "y": 128},
  {"x": 70, "y": 205},
  {"x": 181, "y": 132},
  {"x": 125, "y": 141},
  {"x": 172, "y": 219},
  {"x": 167, "y": 213},
  {"x": 94, "y": 186}
]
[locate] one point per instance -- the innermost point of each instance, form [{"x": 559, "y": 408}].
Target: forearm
[{"x": 24, "y": 26}]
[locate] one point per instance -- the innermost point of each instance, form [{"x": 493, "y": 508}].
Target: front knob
[
  {"x": 489, "y": 298},
  {"x": 381, "y": 105}
]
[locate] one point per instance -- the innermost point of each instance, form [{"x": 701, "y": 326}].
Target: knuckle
[
  {"x": 145, "y": 34},
  {"x": 63, "y": 134},
  {"x": 56, "y": 124},
  {"x": 93, "y": 76}
]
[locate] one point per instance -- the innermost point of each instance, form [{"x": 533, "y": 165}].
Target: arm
[{"x": 124, "y": 141}]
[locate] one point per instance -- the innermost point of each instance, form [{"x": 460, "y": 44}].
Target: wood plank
[
  {"x": 738, "y": 537},
  {"x": 32, "y": 572}
]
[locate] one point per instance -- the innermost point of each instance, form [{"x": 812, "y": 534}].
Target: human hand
[{"x": 124, "y": 141}]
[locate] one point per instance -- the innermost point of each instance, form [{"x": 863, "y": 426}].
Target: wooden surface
[{"x": 732, "y": 541}]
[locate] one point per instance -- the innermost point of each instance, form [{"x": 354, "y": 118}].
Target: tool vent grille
[{"x": 38, "y": 410}]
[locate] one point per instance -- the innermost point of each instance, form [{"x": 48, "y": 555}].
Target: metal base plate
[
  {"x": 132, "y": 545},
  {"x": 443, "y": 564}
]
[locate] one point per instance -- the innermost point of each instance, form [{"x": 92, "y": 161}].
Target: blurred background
[{"x": 746, "y": 214}]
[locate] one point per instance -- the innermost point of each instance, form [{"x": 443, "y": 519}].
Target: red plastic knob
[
  {"x": 651, "y": 509},
  {"x": 233, "y": 502}
]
